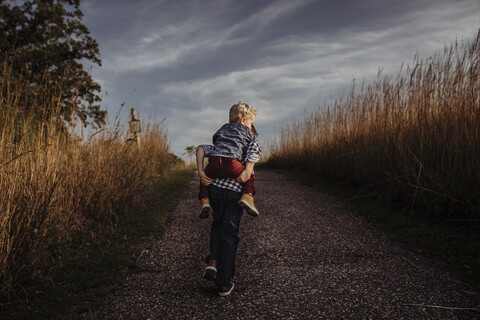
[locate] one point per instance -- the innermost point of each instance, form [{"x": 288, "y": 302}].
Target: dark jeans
[
  {"x": 223, "y": 235},
  {"x": 221, "y": 167}
]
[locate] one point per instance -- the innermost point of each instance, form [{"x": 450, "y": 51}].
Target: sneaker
[
  {"x": 210, "y": 271},
  {"x": 225, "y": 291},
  {"x": 205, "y": 209},
  {"x": 246, "y": 202}
]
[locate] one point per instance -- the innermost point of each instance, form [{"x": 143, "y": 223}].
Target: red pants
[{"x": 220, "y": 167}]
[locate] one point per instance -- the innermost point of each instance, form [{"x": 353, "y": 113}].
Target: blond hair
[{"x": 240, "y": 110}]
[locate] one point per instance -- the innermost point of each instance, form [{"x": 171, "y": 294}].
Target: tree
[
  {"x": 44, "y": 42},
  {"x": 190, "y": 151}
]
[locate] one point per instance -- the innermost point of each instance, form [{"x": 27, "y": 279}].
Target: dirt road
[{"x": 306, "y": 257}]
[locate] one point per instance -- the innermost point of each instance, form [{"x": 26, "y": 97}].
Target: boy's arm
[
  {"x": 201, "y": 173},
  {"x": 245, "y": 175}
]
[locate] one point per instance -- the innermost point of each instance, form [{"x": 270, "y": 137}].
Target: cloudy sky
[{"x": 189, "y": 60}]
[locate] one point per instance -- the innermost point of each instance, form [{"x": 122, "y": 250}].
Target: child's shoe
[
  {"x": 205, "y": 209},
  {"x": 246, "y": 202}
]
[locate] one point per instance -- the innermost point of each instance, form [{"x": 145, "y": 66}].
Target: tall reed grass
[
  {"x": 57, "y": 190},
  {"x": 413, "y": 137}
]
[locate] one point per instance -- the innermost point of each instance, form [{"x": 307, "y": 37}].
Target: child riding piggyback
[{"x": 231, "y": 159}]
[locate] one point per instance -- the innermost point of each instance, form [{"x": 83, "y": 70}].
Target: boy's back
[{"x": 232, "y": 141}]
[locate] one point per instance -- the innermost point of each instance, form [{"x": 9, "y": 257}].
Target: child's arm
[
  {"x": 245, "y": 175},
  {"x": 252, "y": 156},
  {"x": 253, "y": 152},
  {"x": 201, "y": 173}
]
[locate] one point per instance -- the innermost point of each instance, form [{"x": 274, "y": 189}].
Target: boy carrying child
[{"x": 229, "y": 174}]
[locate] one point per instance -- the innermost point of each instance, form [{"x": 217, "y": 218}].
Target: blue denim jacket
[{"x": 232, "y": 141}]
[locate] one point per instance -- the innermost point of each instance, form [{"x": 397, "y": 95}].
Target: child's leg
[
  {"x": 246, "y": 201},
  {"x": 248, "y": 189},
  {"x": 249, "y": 185},
  {"x": 203, "y": 191},
  {"x": 211, "y": 170}
]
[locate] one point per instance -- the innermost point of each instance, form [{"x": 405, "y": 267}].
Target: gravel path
[{"x": 306, "y": 257}]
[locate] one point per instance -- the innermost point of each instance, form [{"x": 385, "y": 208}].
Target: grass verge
[
  {"x": 455, "y": 248},
  {"x": 84, "y": 276}
]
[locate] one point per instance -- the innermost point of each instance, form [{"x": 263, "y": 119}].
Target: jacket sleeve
[
  {"x": 207, "y": 148},
  {"x": 253, "y": 152}
]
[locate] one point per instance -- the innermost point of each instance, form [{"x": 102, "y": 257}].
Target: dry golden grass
[
  {"x": 57, "y": 190},
  {"x": 413, "y": 137}
]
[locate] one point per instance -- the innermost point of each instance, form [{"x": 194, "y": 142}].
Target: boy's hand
[
  {"x": 206, "y": 181},
  {"x": 244, "y": 176}
]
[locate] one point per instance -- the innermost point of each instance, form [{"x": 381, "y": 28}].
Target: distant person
[{"x": 227, "y": 187}]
